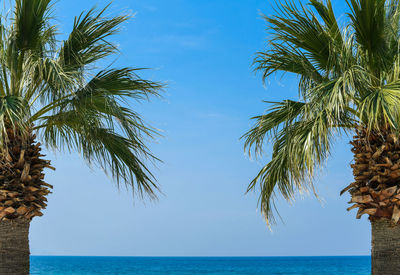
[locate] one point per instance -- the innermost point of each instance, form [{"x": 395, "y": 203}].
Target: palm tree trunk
[
  {"x": 385, "y": 248},
  {"x": 14, "y": 247}
]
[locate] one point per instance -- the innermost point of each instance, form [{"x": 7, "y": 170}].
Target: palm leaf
[
  {"x": 88, "y": 42},
  {"x": 347, "y": 80},
  {"x": 94, "y": 121},
  {"x": 59, "y": 90}
]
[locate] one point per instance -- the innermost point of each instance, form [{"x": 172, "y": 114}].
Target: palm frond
[
  {"x": 13, "y": 116},
  {"x": 299, "y": 27},
  {"x": 302, "y": 134},
  {"x": 88, "y": 42},
  {"x": 94, "y": 121},
  {"x": 281, "y": 113},
  {"x": 285, "y": 58},
  {"x": 116, "y": 154},
  {"x": 368, "y": 20},
  {"x": 298, "y": 148},
  {"x": 379, "y": 108},
  {"x": 348, "y": 78},
  {"x": 31, "y": 22},
  {"x": 325, "y": 11},
  {"x": 57, "y": 89}
]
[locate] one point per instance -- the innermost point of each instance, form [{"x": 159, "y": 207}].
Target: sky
[{"x": 203, "y": 51}]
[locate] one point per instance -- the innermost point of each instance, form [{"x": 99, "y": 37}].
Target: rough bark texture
[
  {"x": 376, "y": 192},
  {"x": 22, "y": 197},
  {"x": 22, "y": 187},
  {"x": 385, "y": 248},
  {"x": 14, "y": 247},
  {"x": 376, "y": 170}
]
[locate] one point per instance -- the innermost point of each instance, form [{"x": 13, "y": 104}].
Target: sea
[{"x": 201, "y": 265}]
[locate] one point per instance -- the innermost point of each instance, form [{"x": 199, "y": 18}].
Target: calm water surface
[{"x": 201, "y": 265}]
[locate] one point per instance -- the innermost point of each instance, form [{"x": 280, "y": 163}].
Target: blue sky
[{"x": 203, "y": 50}]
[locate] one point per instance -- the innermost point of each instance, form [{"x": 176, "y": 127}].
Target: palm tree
[
  {"x": 54, "y": 92},
  {"x": 349, "y": 84}
]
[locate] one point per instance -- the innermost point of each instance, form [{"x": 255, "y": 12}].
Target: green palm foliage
[
  {"x": 57, "y": 89},
  {"x": 349, "y": 77}
]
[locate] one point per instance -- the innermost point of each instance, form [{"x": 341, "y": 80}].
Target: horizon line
[{"x": 102, "y": 256}]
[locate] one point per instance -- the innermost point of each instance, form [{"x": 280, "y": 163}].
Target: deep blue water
[{"x": 201, "y": 265}]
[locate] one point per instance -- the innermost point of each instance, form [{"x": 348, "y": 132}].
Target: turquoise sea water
[{"x": 201, "y": 265}]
